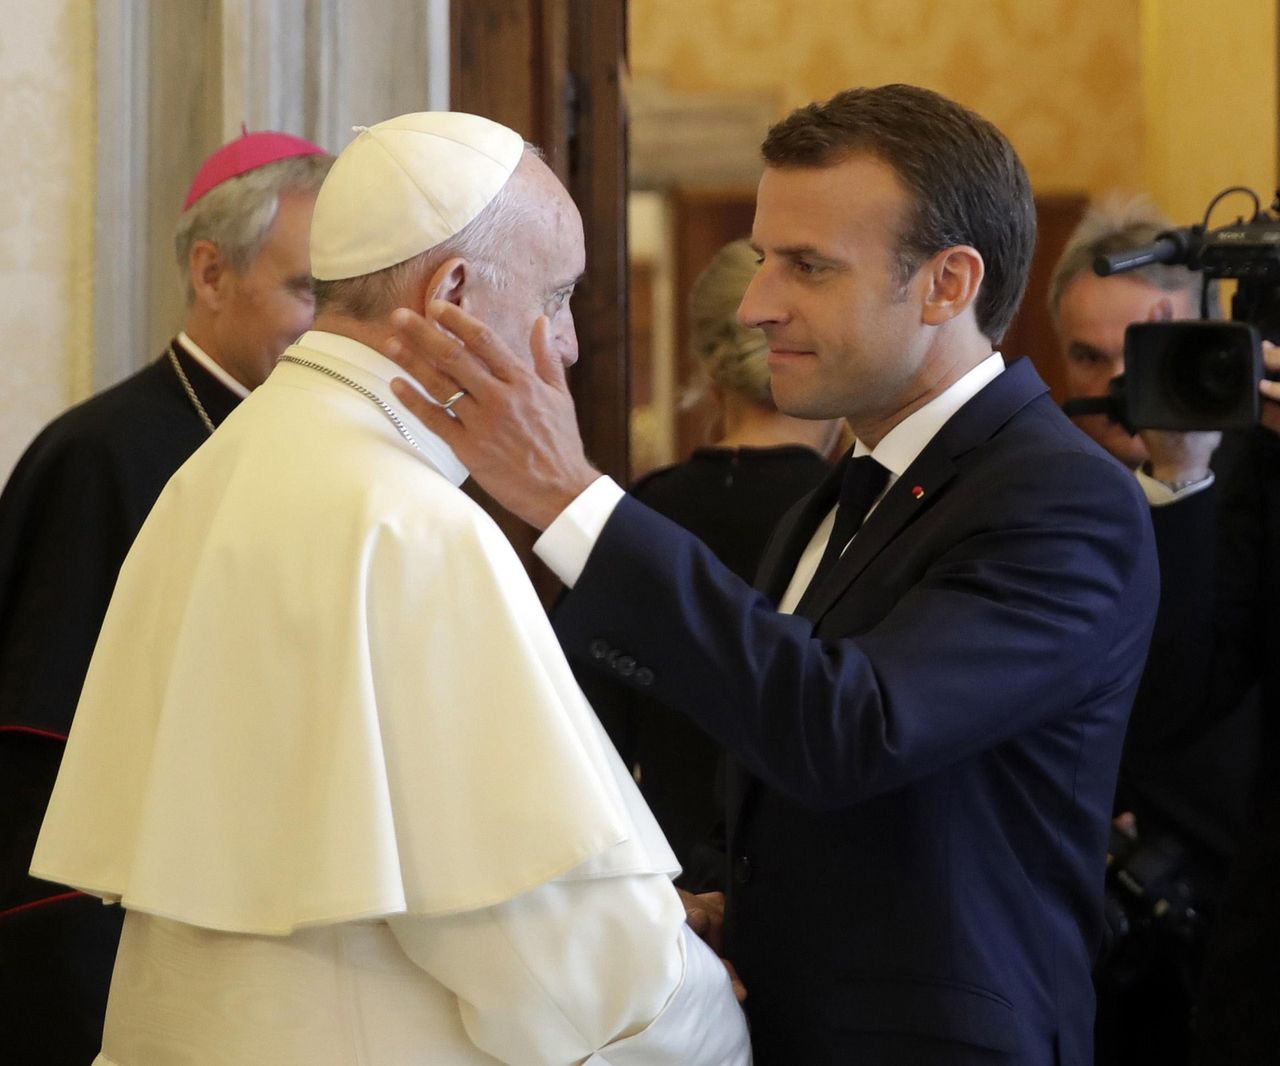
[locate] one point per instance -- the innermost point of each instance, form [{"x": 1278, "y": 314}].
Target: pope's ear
[
  {"x": 207, "y": 270},
  {"x": 952, "y": 277},
  {"x": 448, "y": 282}
]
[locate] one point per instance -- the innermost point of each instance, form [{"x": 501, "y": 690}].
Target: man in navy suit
[{"x": 929, "y": 730}]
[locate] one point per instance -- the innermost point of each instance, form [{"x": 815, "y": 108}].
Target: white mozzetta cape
[{"x": 325, "y": 690}]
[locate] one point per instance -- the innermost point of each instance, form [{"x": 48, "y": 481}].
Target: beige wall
[
  {"x": 1060, "y": 77},
  {"x": 46, "y": 213},
  {"x": 1209, "y": 78}
]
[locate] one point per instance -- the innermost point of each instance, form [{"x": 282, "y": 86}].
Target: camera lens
[{"x": 1206, "y": 382}]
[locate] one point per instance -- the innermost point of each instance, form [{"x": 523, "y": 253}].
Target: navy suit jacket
[{"x": 929, "y": 754}]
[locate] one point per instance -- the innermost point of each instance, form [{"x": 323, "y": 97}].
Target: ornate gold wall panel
[{"x": 1060, "y": 77}]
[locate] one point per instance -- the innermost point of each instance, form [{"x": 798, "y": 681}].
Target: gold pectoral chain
[{"x": 191, "y": 393}]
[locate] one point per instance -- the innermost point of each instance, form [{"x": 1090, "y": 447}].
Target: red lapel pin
[{"x": 917, "y": 491}]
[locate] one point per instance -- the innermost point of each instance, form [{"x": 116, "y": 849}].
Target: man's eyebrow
[
  {"x": 572, "y": 283},
  {"x": 1080, "y": 348},
  {"x": 797, "y": 251}
]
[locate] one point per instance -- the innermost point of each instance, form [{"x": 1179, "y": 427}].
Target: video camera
[{"x": 1199, "y": 375}]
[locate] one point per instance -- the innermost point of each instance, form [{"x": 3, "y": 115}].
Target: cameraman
[
  {"x": 1218, "y": 634},
  {"x": 1183, "y": 783}
]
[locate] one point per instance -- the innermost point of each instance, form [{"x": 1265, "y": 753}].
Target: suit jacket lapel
[
  {"x": 907, "y": 497},
  {"x": 919, "y": 484},
  {"x": 777, "y": 566}
]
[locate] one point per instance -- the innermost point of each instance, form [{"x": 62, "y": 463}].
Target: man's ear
[
  {"x": 448, "y": 282},
  {"x": 208, "y": 270},
  {"x": 952, "y": 280}
]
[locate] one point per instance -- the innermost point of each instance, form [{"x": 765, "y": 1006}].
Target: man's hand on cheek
[{"x": 515, "y": 428}]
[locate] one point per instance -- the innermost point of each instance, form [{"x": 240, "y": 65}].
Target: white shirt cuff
[
  {"x": 566, "y": 543},
  {"x": 1159, "y": 494}
]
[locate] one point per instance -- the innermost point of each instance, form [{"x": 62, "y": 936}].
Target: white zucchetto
[{"x": 404, "y": 186}]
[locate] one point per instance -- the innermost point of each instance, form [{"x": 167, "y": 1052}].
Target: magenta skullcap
[{"x": 246, "y": 153}]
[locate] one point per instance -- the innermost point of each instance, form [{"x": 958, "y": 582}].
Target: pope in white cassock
[{"x": 329, "y": 756}]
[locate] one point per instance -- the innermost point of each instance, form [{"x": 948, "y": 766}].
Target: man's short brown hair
[{"x": 966, "y": 183}]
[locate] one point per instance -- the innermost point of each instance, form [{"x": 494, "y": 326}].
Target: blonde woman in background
[{"x": 730, "y": 494}]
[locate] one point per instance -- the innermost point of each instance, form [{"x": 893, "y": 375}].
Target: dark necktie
[{"x": 864, "y": 480}]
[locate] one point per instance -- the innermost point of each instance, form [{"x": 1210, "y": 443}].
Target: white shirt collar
[
  {"x": 374, "y": 371},
  {"x": 896, "y": 452},
  {"x": 206, "y": 360},
  {"x": 901, "y": 445}
]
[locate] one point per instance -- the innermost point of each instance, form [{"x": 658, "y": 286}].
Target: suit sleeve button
[
  {"x": 644, "y": 676},
  {"x": 625, "y": 665},
  {"x": 598, "y": 649}
]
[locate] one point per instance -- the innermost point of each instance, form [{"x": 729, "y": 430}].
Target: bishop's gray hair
[
  {"x": 237, "y": 215},
  {"x": 482, "y": 242}
]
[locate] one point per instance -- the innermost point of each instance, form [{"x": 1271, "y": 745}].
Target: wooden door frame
[{"x": 553, "y": 70}]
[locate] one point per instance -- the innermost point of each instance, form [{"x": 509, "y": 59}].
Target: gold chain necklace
[{"x": 191, "y": 393}]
